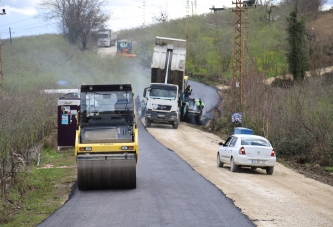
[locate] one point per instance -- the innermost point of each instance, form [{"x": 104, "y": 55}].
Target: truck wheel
[
  {"x": 147, "y": 122},
  {"x": 175, "y": 124}
]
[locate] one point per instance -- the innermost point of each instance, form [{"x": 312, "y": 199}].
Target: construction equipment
[
  {"x": 124, "y": 48},
  {"x": 106, "y": 145},
  {"x": 167, "y": 82},
  {"x": 191, "y": 112},
  {"x": 106, "y": 38}
]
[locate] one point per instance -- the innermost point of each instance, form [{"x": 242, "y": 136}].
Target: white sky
[{"x": 126, "y": 14}]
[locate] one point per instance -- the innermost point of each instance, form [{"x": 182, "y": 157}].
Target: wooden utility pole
[
  {"x": 10, "y": 36},
  {"x": 238, "y": 58},
  {"x": 1, "y": 72}
]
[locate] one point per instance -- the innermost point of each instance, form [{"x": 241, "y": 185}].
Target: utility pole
[
  {"x": 143, "y": 13},
  {"x": 238, "y": 58},
  {"x": 10, "y": 36},
  {"x": 195, "y": 7},
  {"x": 1, "y": 72},
  {"x": 186, "y": 20}
]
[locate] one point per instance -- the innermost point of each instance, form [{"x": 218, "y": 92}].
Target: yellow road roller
[{"x": 106, "y": 144}]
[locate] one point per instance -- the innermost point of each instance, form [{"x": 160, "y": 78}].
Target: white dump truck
[
  {"x": 106, "y": 38},
  {"x": 163, "y": 96}
]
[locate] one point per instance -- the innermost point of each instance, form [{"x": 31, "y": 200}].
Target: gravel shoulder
[{"x": 285, "y": 198}]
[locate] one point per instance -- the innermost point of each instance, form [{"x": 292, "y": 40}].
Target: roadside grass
[
  {"x": 329, "y": 168},
  {"x": 40, "y": 191}
]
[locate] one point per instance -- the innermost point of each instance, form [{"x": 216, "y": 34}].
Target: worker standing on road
[
  {"x": 199, "y": 103},
  {"x": 137, "y": 104},
  {"x": 188, "y": 91}
]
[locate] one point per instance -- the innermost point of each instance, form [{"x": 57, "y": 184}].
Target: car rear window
[{"x": 255, "y": 142}]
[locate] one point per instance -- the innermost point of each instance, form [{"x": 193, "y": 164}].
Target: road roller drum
[{"x": 106, "y": 171}]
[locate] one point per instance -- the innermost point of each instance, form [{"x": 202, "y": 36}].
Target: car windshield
[
  {"x": 93, "y": 102},
  {"x": 255, "y": 141},
  {"x": 162, "y": 93}
]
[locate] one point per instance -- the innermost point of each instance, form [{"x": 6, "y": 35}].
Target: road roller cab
[{"x": 106, "y": 146}]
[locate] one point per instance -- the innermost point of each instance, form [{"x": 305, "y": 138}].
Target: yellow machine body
[{"x": 106, "y": 146}]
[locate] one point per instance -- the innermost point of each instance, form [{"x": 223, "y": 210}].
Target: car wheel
[
  {"x": 233, "y": 166},
  {"x": 147, "y": 122},
  {"x": 270, "y": 170},
  {"x": 219, "y": 163}
]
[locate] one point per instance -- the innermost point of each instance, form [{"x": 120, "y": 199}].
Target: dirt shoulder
[{"x": 285, "y": 198}]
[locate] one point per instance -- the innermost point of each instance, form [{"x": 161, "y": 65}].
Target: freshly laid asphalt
[{"x": 169, "y": 193}]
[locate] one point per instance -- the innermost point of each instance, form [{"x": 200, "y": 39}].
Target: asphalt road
[{"x": 169, "y": 193}]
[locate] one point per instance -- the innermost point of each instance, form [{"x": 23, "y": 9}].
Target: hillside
[{"x": 41, "y": 61}]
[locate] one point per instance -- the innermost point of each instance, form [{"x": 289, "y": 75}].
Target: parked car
[{"x": 241, "y": 150}]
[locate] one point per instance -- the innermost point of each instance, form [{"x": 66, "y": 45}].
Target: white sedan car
[{"x": 241, "y": 150}]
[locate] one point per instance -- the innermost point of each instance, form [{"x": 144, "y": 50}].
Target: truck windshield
[
  {"x": 103, "y": 36},
  {"x": 97, "y": 102},
  {"x": 162, "y": 93}
]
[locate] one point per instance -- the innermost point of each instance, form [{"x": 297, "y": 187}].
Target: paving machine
[
  {"x": 191, "y": 111},
  {"x": 106, "y": 145}
]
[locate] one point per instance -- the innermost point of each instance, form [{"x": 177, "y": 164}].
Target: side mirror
[
  {"x": 221, "y": 144},
  {"x": 144, "y": 92}
]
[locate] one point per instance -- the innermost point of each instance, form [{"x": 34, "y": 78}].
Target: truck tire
[
  {"x": 147, "y": 122},
  {"x": 175, "y": 125}
]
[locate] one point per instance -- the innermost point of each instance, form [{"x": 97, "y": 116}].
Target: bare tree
[
  {"x": 310, "y": 8},
  {"x": 269, "y": 4},
  {"x": 163, "y": 17},
  {"x": 76, "y": 18}
]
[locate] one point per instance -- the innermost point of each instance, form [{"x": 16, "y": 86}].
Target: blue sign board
[
  {"x": 236, "y": 118},
  {"x": 64, "y": 119}
]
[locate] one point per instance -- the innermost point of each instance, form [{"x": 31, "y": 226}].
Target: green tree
[{"x": 297, "y": 54}]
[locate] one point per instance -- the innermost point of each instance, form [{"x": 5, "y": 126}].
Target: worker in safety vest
[
  {"x": 199, "y": 103},
  {"x": 188, "y": 91}
]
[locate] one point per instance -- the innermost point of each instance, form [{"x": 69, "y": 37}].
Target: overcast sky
[{"x": 125, "y": 14}]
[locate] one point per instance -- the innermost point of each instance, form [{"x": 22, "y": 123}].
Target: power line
[{"x": 11, "y": 23}]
